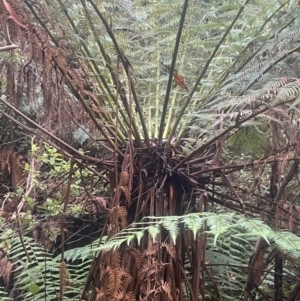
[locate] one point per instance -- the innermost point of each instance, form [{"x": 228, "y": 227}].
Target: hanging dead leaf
[
  {"x": 12, "y": 14},
  {"x": 5, "y": 269},
  {"x": 124, "y": 178},
  {"x": 179, "y": 80},
  {"x": 125, "y": 190},
  {"x": 97, "y": 108},
  {"x": 63, "y": 275}
]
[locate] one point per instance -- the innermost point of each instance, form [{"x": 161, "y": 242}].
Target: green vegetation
[{"x": 149, "y": 150}]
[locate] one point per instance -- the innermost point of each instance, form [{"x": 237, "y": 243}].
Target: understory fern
[
  {"x": 40, "y": 277},
  {"x": 226, "y": 260},
  {"x": 4, "y": 295},
  {"x": 230, "y": 241}
]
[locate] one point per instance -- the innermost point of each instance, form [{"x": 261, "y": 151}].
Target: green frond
[
  {"x": 4, "y": 295},
  {"x": 287, "y": 242},
  {"x": 154, "y": 231},
  {"x": 217, "y": 136},
  {"x": 193, "y": 222},
  {"x": 171, "y": 223},
  {"x": 254, "y": 228},
  {"x": 139, "y": 235},
  {"x": 82, "y": 253},
  {"x": 31, "y": 277},
  {"x": 40, "y": 277},
  {"x": 218, "y": 224}
]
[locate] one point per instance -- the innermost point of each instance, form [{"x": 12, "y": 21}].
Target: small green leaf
[
  {"x": 129, "y": 239},
  {"x": 139, "y": 235},
  {"x": 33, "y": 288},
  {"x": 194, "y": 222},
  {"x": 171, "y": 224},
  {"x": 153, "y": 231},
  {"x": 219, "y": 224}
]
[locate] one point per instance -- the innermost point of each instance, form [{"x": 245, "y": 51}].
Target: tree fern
[{"x": 108, "y": 68}]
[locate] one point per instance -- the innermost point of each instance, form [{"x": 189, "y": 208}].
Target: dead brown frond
[
  {"x": 259, "y": 267},
  {"x": 114, "y": 280},
  {"x": 39, "y": 45},
  {"x": 96, "y": 206},
  {"x": 129, "y": 296},
  {"x": 126, "y": 192},
  {"x": 100, "y": 294},
  {"x": 124, "y": 178},
  {"x": 5, "y": 160},
  {"x": 6, "y": 164},
  {"x": 115, "y": 259},
  {"x": 283, "y": 162},
  {"x": 63, "y": 268},
  {"x": 117, "y": 216},
  {"x": 170, "y": 249},
  {"x": 125, "y": 279},
  {"x": 138, "y": 257},
  {"x": 151, "y": 250},
  {"x": 107, "y": 280},
  {"x": 5, "y": 269},
  {"x": 165, "y": 287},
  {"x": 256, "y": 175},
  {"x": 146, "y": 272}
]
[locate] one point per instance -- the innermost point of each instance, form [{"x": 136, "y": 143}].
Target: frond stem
[
  {"x": 126, "y": 67},
  {"x": 174, "y": 57},
  {"x": 95, "y": 66},
  {"x": 61, "y": 142},
  {"x": 204, "y": 71},
  {"x": 108, "y": 65},
  {"x": 158, "y": 58},
  {"x": 226, "y": 73},
  {"x": 268, "y": 68},
  {"x": 230, "y": 128}
]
